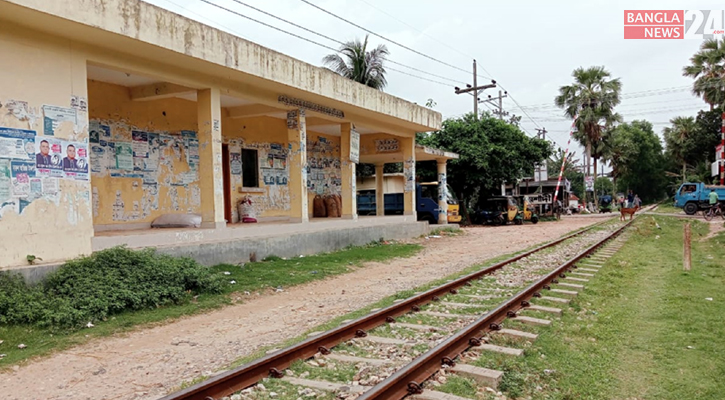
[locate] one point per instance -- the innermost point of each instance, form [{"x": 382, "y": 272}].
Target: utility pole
[
  {"x": 499, "y": 107},
  {"x": 475, "y": 92},
  {"x": 541, "y": 133},
  {"x": 722, "y": 143},
  {"x": 475, "y": 88}
]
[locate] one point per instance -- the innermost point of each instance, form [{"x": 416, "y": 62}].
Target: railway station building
[{"x": 114, "y": 113}]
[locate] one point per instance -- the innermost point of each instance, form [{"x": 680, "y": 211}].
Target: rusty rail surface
[
  {"x": 408, "y": 379},
  {"x": 247, "y": 375}
]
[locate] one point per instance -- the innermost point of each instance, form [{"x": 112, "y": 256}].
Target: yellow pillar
[
  {"x": 408, "y": 147},
  {"x": 379, "y": 189},
  {"x": 442, "y": 193},
  {"x": 349, "y": 185},
  {"x": 211, "y": 179},
  {"x": 297, "y": 136}
]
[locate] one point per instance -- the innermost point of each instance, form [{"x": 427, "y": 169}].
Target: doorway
[{"x": 226, "y": 172}]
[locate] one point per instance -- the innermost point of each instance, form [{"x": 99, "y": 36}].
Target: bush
[{"x": 108, "y": 282}]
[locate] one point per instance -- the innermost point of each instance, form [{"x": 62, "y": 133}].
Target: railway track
[{"x": 382, "y": 333}]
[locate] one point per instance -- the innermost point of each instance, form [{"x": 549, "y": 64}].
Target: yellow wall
[
  {"x": 53, "y": 224},
  {"x": 260, "y": 133},
  {"x": 166, "y": 182}
]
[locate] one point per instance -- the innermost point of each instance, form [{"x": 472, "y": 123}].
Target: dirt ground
[{"x": 148, "y": 363}]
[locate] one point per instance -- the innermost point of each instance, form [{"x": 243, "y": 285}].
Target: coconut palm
[
  {"x": 678, "y": 140},
  {"x": 355, "y": 62},
  {"x": 590, "y": 101},
  {"x": 708, "y": 70}
]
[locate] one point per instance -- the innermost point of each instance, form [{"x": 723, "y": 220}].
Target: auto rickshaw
[
  {"x": 498, "y": 210},
  {"x": 527, "y": 212}
]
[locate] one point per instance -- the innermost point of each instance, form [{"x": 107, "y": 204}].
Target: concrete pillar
[
  {"x": 349, "y": 184},
  {"x": 408, "y": 147},
  {"x": 297, "y": 136},
  {"x": 442, "y": 193},
  {"x": 379, "y": 189},
  {"x": 211, "y": 179}
]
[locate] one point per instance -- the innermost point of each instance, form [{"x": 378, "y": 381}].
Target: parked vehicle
[
  {"x": 526, "y": 211},
  {"x": 605, "y": 204},
  {"x": 426, "y": 204},
  {"x": 498, "y": 210},
  {"x": 693, "y": 197}
]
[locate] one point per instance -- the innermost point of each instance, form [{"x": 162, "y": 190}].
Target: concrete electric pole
[{"x": 475, "y": 88}]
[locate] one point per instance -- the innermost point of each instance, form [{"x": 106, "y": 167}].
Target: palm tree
[
  {"x": 354, "y": 61},
  {"x": 677, "y": 139},
  {"x": 590, "y": 102},
  {"x": 708, "y": 70}
]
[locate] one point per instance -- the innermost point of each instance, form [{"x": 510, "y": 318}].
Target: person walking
[
  {"x": 630, "y": 199},
  {"x": 637, "y": 201}
]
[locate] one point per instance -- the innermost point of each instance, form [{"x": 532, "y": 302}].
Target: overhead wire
[
  {"x": 385, "y": 38},
  {"x": 341, "y": 43}
]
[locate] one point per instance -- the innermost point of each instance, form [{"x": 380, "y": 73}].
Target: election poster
[
  {"x": 75, "y": 162},
  {"x": 17, "y": 143},
  {"x": 49, "y": 157}
]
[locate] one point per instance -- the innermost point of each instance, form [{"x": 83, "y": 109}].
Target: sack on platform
[
  {"x": 319, "y": 210},
  {"x": 331, "y": 205},
  {"x": 338, "y": 200}
]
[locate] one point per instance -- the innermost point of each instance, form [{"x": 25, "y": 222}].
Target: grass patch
[
  {"x": 95, "y": 288},
  {"x": 667, "y": 208},
  {"x": 642, "y": 329}
]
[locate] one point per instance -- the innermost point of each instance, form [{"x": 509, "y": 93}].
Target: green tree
[
  {"x": 708, "y": 69},
  {"x": 491, "y": 152},
  {"x": 642, "y": 167},
  {"x": 603, "y": 186},
  {"x": 590, "y": 102},
  {"x": 679, "y": 141},
  {"x": 360, "y": 64}
]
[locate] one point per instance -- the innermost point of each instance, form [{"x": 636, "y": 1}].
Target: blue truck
[
  {"x": 693, "y": 197},
  {"x": 426, "y": 205}
]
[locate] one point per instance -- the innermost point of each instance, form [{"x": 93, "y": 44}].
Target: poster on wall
[
  {"x": 124, "y": 156},
  {"x": 235, "y": 163},
  {"x": 17, "y": 143},
  {"x": 354, "y": 146},
  {"x": 21, "y": 172},
  {"x": 140, "y": 141},
  {"x": 75, "y": 162},
  {"x": 53, "y": 116},
  {"x": 48, "y": 157},
  {"x": 191, "y": 143},
  {"x": 98, "y": 132}
]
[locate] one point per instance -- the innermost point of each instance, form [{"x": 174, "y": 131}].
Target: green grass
[
  {"x": 251, "y": 277},
  {"x": 627, "y": 335},
  {"x": 667, "y": 208}
]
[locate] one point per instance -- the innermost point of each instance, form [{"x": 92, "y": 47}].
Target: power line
[
  {"x": 326, "y": 37},
  {"x": 337, "y": 41},
  {"x": 383, "y": 37},
  {"x": 418, "y": 30}
]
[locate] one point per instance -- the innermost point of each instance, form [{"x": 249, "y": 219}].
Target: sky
[{"x": 530, "y": 49}]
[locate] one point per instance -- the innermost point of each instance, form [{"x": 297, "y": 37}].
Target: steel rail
[
  {"x": 272, "y": 364},
  {"x": 408, "y": 379}
]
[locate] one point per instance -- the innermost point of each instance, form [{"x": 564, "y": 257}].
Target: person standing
[
  {"x": 637, "y": 201},
  {"x": 630, "y": 199},
  {"x": 714, "y": 199}
]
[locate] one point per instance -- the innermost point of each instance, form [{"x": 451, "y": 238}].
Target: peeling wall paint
[
  {"x": 145, "y": 157},
  {"x": 41, "y": 214},
  {"x": 268, "y": 136}
]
